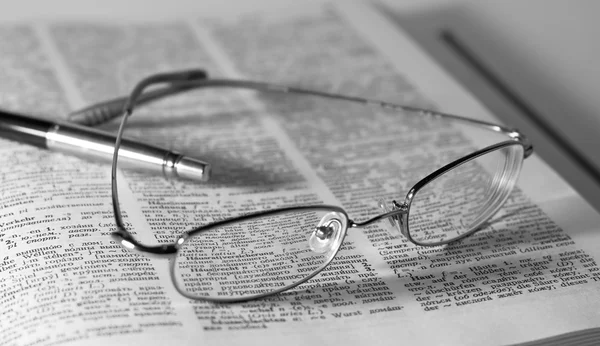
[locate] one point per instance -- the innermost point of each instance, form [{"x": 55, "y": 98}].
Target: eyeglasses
[{"x": 263, "y": 253}]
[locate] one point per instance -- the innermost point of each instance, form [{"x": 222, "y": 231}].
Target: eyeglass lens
[
  {"x": 258, "y": 255},
  {"x": 460, "y": 200}
]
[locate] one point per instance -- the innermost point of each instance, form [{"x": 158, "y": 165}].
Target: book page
[{"x": 531, "y": 273}]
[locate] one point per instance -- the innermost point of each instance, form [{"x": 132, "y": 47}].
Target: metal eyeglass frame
[{"x": 181, "y": 81}]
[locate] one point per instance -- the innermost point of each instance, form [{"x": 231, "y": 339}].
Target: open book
[{"x": 531, "y": 274}]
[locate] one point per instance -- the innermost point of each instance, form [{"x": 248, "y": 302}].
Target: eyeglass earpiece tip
[{"x": 196, "y": 74}]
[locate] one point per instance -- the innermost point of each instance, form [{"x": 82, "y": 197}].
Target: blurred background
[{"x": 532, "y": 63}]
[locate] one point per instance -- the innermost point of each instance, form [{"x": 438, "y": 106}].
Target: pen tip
[{"x": 189, "y": 168}]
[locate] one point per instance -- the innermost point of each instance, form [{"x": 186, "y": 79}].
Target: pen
[{"x": 96, "y": 145}]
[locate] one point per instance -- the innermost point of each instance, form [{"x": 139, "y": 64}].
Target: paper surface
[{"x": 531, "y": 274}]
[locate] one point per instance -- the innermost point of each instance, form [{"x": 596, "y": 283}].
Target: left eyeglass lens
[{"x": 259, "y": 255}]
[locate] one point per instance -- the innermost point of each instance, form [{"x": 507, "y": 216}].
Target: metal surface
[{"x": 99, "y": 146}]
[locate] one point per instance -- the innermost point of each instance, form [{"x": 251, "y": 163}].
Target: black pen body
[{"x": 24, "y": 129}]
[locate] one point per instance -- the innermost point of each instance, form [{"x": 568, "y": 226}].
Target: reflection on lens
[
  {"x": 460, "y": 200},
  {"x": 260, "y": 255}
]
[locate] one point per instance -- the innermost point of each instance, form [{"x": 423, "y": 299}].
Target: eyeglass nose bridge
[{"x": 397, "y": 216}]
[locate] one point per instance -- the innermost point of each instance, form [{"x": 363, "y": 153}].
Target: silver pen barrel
[{"x": 96, "y": 145}]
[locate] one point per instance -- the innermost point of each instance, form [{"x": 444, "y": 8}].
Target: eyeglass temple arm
[
  {"x": 102, "y": 112},
  {"x": 124, "y": 237},
  {"x": 192, "y": 79}
]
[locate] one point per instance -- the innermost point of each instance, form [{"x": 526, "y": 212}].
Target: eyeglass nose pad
[
  {"x": 394, "y": 221},
  {"x": 327, "y": 236}
]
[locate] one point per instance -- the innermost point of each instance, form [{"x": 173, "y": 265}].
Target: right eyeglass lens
[
  {"x": 460, "y": 200},
  {"x": 259, "y": 255}
]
